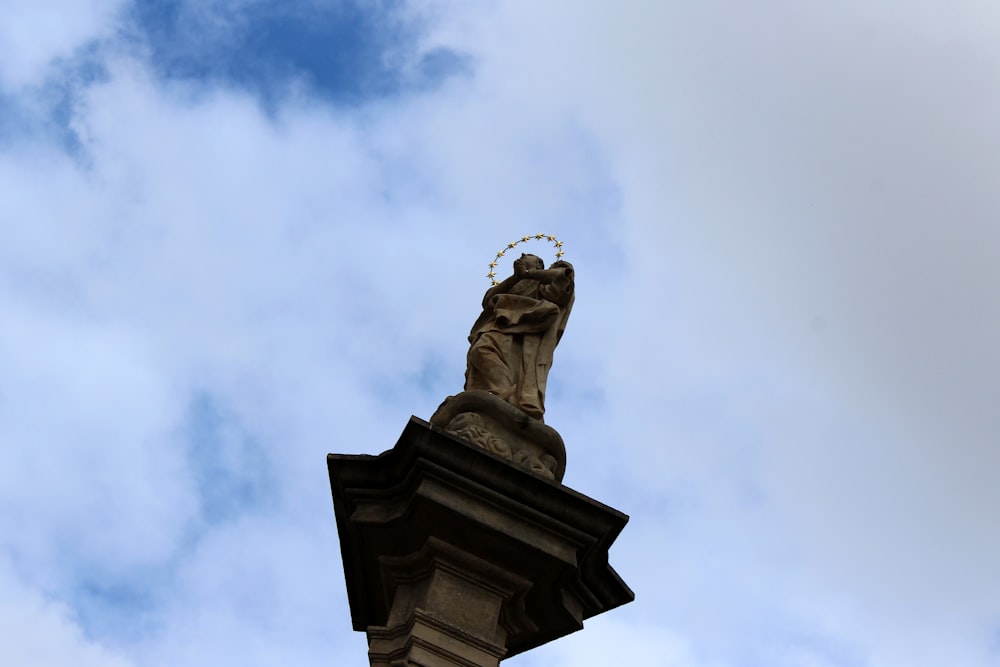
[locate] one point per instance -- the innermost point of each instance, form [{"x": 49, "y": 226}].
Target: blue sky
[{"x": 240, "y": 234}]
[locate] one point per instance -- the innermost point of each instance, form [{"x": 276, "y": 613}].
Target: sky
[{"x": 236, "y": 235}]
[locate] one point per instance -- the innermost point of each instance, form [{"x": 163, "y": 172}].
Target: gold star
[
  {"x": 493, "y": 265},
  {"x": 511, "y": 245},
  {"x": 500, "y": 254},
  {"x": 550, "y": 237},
  {"x": 559, "y": 244},
  {"x": 560, "y": 253},
  {"x": 539, "y": 236},
  {"x": 525, "y": 238}
]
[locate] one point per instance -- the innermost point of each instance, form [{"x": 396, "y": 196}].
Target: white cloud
[
  {"x": 43, "y": 633},
  {"x": 275, "y": 574},
  {"x": 606, "y": 641},
  {"x": 36, "y": 33},
  {"x": 811, "y": 222}
]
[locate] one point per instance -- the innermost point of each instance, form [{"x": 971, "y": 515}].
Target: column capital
[{"x": 449, "y": 550}]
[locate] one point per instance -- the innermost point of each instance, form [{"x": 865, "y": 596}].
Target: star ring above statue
[{"x": 492, "y": 275}]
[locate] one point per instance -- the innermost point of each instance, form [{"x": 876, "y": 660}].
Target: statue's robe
[{"x": 512, "y": 342}]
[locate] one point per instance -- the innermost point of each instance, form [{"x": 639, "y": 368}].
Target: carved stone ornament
[{"x": 487, "y": 421}]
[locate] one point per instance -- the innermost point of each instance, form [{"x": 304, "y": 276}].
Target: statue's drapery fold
[{"x": 511, "y": 344}]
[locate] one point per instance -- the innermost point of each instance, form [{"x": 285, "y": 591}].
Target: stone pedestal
[
  {"x": 487, "y": 421},
  {"x": 455, "y": 556}
]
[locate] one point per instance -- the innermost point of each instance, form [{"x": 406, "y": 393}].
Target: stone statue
[
  {"x": 511, "y": 344},
  {"x": 510, "y": 354}
]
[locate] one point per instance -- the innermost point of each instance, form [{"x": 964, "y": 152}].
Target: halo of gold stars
[{"x": 557, "y": 244}]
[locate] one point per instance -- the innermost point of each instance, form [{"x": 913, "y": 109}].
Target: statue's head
[{"x": 530, "y": 261}]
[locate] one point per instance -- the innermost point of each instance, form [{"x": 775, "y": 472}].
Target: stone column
[
  {"x": 454, "y": 556},
  {"x": 446, "y": 610}
]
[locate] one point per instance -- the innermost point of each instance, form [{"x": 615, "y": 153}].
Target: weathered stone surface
[
  {"x": 512, "y": 343},
  {"x": 447, "y": 609},
  {"x": 503, "y": 430},
  {"x": 455, "y": 557}
]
